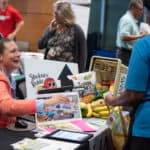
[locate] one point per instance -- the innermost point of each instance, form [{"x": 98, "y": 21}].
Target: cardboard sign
[{"x": 46, "y": 74}]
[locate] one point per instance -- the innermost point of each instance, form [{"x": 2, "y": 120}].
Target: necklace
[{"x": 61, "y": 29}]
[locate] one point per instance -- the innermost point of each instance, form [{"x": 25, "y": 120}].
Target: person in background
[
  {"x": 10, "y": 20},
  {"x": 128, "y": 31},
  {"x": 10, "y": 107},
  {"x": 63, "y": 39},
  {"x": 145, "y": 26},
  {"x": 137, "y": 95},
  {"x": 147, "y": 4},
  {"x": 148, "y": 18}
]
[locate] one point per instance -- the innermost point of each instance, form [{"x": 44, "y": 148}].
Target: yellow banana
[
  {"x": 100, "y": 108},
  {"x": 83, "y": 105},
  {"x": 94, "y": 114},
  {"x": 89, "y": 114},
  {"x": 104, "y": 117},
  {"x": 99, "y": 102},
  {"x": 116, "y": 108},
  {"x": 104, "y": 113}
]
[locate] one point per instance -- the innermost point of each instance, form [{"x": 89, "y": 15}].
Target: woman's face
[
  {"x": 57, "y": 17},
  {"x": 10, "y": 59}
]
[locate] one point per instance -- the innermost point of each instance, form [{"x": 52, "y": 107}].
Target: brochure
[
  {"x": 43, "y": 144},
  {"x": 59, "y": 112}
]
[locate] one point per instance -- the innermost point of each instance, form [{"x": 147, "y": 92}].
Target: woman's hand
[
  {"x": 53, "y": 25},
  {"x": 56, "y": 99}
]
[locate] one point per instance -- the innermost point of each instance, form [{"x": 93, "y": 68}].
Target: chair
[{"x": 23, "y": 45}]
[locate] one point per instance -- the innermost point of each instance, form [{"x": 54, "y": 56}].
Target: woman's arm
[
  {"x": 81, "y": 48},
  {"x": 45, "y": 38},
  {"x": 10, "y": 107}
]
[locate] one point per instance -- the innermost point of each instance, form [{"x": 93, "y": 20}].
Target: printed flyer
[
  {"x": 59, "y": 112},
  {"x": 43, "y": 144}
]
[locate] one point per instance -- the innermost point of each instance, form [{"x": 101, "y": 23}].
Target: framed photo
[{"x": 59, "y": 112}]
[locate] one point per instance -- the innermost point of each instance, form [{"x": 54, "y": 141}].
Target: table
[
  {"x": 100, "y": 141},
  {"x": 8, "y": 137}
]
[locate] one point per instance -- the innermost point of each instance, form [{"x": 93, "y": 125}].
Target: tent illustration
[{"x": 63, "y": 76}]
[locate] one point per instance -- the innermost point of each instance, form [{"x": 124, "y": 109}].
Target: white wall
[
  {"x": 84, "y": 2},
  {"x": 82, "y": 16}
]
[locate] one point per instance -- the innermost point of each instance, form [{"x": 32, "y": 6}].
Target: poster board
[
  {"x": 46, "y": 74},
  {"x": 60, "y": 112}
]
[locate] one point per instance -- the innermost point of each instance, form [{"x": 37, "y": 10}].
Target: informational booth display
[
  {"x": 46, "y": 74},
  {"x": 110, "y": 73},
  {"x": 60, "y": 112}
]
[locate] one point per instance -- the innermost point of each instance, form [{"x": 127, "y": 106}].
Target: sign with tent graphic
[{"x": 46, "y": 74}]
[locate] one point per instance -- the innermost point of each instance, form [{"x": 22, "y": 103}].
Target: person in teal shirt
[{"x": 137, "y": 95}]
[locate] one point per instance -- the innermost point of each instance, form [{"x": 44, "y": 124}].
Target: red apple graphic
[{"x": 49, "y": 83}]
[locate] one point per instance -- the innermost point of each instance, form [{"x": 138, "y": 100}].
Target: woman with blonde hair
[{"x": 63, "y": 39}]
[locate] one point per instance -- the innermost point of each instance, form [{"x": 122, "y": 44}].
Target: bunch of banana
[
  {"x": 96, "y": 109},
  {"x": 100, "y": 110},
  {"x": 86, "y": 109},
  {"x": 99, "y": 102},
  {"x": 89, "y": 107}
]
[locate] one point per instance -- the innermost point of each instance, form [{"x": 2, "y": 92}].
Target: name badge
[{"x": 2, "y": 18}]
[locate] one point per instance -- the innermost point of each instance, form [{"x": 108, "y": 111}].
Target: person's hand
[
  {"x": 53, "y": 25},
  {"x": 108, "y": 97},
  {"x": 143, "y": 33},
  {"x": 11, "y": 36},
  {"x": 56, "y": 99}
]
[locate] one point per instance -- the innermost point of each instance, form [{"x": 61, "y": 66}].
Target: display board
[{"x": 46, "y": 74}]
